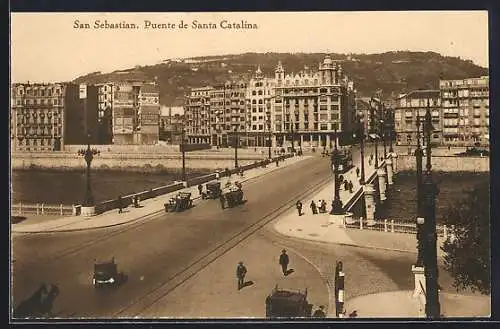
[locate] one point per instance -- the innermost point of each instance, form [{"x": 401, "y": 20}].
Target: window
[
  {"x": 334, "y": 107},
  {"x": 254, "y": 92},
  {"x": 260, "y": 92}
]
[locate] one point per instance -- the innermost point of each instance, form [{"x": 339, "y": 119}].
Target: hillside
[{"x": 392, "y": 72}]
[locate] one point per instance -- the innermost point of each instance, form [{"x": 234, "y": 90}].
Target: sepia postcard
[{"x": 249, "y": 165}]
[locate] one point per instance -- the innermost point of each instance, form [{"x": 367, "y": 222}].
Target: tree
[{"x": 467, "y": 254}]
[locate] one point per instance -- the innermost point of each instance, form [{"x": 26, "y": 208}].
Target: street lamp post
[
  {"x": 362, "y": 151},
  {"x": 337, "y": 208},
  {"x": 392, "y": 133},
  {"x": 430, "y": 191},
  {"x": 418, "y": 156},
  {"x": 236, "y": 142},
  {"x": 268, "y": 123},
  {"x": 88, "y": 154},
  {"x": 183, "y": 151}
]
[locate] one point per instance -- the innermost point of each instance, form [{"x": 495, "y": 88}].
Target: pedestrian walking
[
  {"x": 357, "y": 172},
  {"x": 222, "y": 201},
  {"x": 284, "y": 260},
  {"x": 319, "y": 313},
  {"x": 241, "y": 271},
  {"x": 350, "y": 186},
  {"x": 200, "y": 189},
  {"x": 323, "y": 206},
  {"x": 313, "y": 208},
  {"x": 120, "y": 204},
  {"x": 277, "y": 163},
  {"x": 346, "y": 185},
  {"x": 299, "y": 207}
]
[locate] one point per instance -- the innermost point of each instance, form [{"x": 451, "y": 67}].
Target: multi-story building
[
  {"x": 125, "y": 108},
  {"x": 45, "y": 117},
  {"x": 259, "y": 99},
  {"x": 197, "y": 115},
  {"x": 105, "y": 116},
  {"x": 217, "y": 115},
  {"x": 149, "y": 114},
  {"x": 313, "y": 108},
  {"x": 465, "y": 111},
  {"x": 411, "y": 106},
  {"x": 235, "y": 112}
]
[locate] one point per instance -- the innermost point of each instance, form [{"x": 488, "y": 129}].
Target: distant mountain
[{"x": 392, "y": 72}]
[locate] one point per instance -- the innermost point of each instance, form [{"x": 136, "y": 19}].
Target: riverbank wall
[
  {"x": 446, "y": 163},
  {"x": 150, "y": 162}
]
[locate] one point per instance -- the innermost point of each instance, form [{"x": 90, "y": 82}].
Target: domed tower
[
  {"x": 326, "y": 70},
  {"x": 279, "y": 73},
  {"x": 258, "y": 73}
]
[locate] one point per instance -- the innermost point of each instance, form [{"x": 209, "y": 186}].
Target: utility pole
[
  {"x": 236, "y": 142},
  {"x": 183, "y": 153}
]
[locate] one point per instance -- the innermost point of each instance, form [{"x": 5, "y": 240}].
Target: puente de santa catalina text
[{"x": 149, "y": 25}]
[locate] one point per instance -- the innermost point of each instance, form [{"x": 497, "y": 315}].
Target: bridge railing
[
  {"x": 393, "y": 226},
  {"x": 41, "y": 209}
]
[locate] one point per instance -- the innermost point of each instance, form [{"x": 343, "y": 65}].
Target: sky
[{"x": 46, "y": 47}]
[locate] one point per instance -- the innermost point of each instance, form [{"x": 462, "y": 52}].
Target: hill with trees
[{"x": 392, "y": 72}]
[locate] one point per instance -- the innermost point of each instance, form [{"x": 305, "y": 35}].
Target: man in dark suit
[
  {"x": 241, "y": 271},
  {"x": 284, "y": 262}
]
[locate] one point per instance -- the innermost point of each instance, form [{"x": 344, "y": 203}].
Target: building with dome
[
  {"x": 308, "y": 107},
  {"x": 311, "y": 108}
]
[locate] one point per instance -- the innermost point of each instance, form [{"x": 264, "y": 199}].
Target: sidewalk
[
  {"x": 402, "y": 304},
  {"x": 212, "y": 292},
  {"x": 148, "y": 207}
]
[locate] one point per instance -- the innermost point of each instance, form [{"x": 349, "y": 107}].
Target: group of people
[
  {"x": 135, "y": 201},
  {"x": 320, "y": 207}
]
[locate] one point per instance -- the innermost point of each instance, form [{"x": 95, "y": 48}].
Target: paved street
[{"x": 152, "y": 253}]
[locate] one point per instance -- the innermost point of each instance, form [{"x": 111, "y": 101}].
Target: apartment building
[
  {"x": 313, "y": 107},
  {"x": 45, "y": 117},
  {"x": 197, "y": 115},
  {"x": 259, "y": 100},
  {"x": 413, "y": 106},
  {"x": 465, "y": 111},
  {"x": 148, "y": 114}
]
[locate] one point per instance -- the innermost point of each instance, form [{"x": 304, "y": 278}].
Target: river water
[{"x": 68, "y": 187}]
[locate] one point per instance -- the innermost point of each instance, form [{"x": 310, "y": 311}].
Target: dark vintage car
[
  {"x": 213, "y": 190},
  {"x": 106, "y": 274},
  {"x": 233, "y": 196},
  {"x": 181, "y": 202},
  {"x": 282, "y": 303}
]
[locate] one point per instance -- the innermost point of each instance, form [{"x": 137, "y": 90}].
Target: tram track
[{"x": 141, "y": 303}]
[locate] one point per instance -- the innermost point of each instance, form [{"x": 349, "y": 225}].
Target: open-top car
[
  {"x": 181, "y": 202},
  {"x": 106, "y": 274}
]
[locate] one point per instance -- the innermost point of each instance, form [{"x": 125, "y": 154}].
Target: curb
[
  {"x": 345, "y": 244},
  {"x": 156, "y": 212}
]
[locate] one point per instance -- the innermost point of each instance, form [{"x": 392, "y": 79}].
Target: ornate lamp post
[
  {"x": 337, "y": 208},
  {"x": 362, "y": 149},
  {"x": 430, "y": 191},
  {"x": 88, "y": 207},
  {"x": 418, "y": 156}
]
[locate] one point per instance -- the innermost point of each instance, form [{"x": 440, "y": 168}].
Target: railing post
[
  {"x": 385, "y": 225},
  {"x": 445, "y": 233},
  {"x": 20, "y": 208},
  {"x": 392, "y": 225},
  {"x": 61, "y": 209},
  {"x": 37, "y": 210},
  {"x": 360, "y": 223},
  {"x": 42, "y": 209}
]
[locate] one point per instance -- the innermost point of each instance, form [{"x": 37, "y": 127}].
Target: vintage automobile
[
  {"x": 181, "y": 202},
  {"x": 233, "y": 196},
  {"x": 106, "y": 274},
  {"x": 282, "y": 303},
  {"x": 213, "y": 190}
]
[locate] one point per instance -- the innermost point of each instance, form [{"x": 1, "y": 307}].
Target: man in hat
[
  {"x": 241, "y": 271},
  {"x": 320, "y": 312},
  {"x": 284, "y": 262}
]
